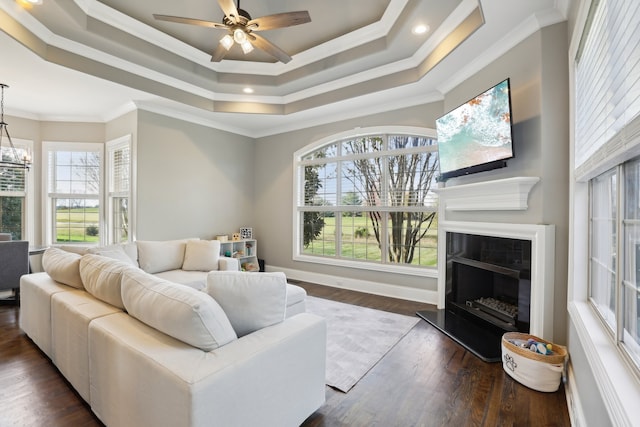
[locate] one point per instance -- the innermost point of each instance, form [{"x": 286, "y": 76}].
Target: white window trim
[
  {"x": 122, "y": 141},
  {"x": 616, "y": 379},
  {"x": 47, "y": 146},
  {"x": 353, "y": 133}
]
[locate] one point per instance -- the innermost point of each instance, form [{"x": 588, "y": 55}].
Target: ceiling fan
[{"x": 242, "y": 28}]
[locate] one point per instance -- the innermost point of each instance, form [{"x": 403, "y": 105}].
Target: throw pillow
[
  {"x": 184, "y": 313},
  {"x": 102, "y": 277},
  {"x": 158, "y": 256},
  {"x": 63, "y": 266},
  {"x": 201, "y": 255},
  {"x": 252, "y": 301}
]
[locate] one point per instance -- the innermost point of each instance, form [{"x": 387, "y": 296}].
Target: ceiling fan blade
[
  {"x": 270, "y": 48},
  {"x": 189, "y": 21},
  {"x": 219, "y": 53},
  {"x": 279, "y": 20},
  {"x": 229, "y": 9}
]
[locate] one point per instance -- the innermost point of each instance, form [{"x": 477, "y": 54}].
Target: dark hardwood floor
[{"x": 425, "y": 380}]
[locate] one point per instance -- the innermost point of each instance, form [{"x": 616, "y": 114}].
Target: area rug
[{"x": 357, "y": 338}]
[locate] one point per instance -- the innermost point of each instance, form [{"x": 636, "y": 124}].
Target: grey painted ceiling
[{"x": 89, "y": 60}]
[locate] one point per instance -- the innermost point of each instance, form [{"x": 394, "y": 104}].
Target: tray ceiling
[{"x": 89, "y": 60}]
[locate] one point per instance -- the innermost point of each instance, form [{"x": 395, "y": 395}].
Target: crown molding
[{"x": 502, "y": 46}]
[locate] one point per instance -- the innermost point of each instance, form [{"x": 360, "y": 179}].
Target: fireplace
[
  {"x": 490, "y": 280},
  {"x": 493, "y": 278}
]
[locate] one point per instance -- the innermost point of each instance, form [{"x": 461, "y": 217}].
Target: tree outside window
[{"x": 369, "y": 199}]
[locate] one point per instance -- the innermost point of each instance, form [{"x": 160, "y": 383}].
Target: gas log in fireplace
[{"x": 488, "y": 291}]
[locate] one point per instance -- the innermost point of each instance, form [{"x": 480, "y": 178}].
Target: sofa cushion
[
  {"x": 194, "y": 279},
  {"x": 102, "y": 277},
  {"x": 201, "y": 255},
  {"x": 179, "y": 311},
  {"x": 252, "y": 301},
  {"x": 157, "y": 256},
  {"x": 126, "y": 252},
  {"x": 63, "y": 266},
  {"x": 296, "y": 300},
  {"x": 76, "y": 249}
]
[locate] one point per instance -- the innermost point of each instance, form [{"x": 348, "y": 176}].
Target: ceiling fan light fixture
[
  {"x": 240, "y": 28},
  {"x": 227, "y": 41},
  {"x": 239, "y": 36},
  {"x": 246, "y": 47}
]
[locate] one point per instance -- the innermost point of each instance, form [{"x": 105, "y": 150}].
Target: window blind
[
  {"x": 119, "y": 162},
  {"x": 12, "y": 181},
  {"x": 607, "y": 75}
]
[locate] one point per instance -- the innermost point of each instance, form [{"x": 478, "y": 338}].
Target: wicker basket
[{"x": 534, "y": 370}]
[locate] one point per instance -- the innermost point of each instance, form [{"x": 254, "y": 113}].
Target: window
[
  {"x": 14, "y": 188},
  {"x": 604, "y": 242},
  {"x": 605, "y": 78},
  {"x": 365, "y": 200},
  {"x": 118, "y": 169},
  {"x": 615, "y": 253},
  {"x": 73, "y": 192}
]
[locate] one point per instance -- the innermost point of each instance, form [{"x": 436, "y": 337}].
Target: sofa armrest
[
  {"x": 228, "y": 264},
  {"x": 272, "y": 377},
  {"x": 36, "y": 291}
]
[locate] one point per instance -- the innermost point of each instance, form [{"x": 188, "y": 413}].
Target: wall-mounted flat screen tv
[{"x": 476, "y": 136}]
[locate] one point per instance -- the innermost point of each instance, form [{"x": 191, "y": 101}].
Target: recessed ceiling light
[
  {"x": 247, "y": 90},
  {"x": 420, "y": 29},
  {"x": 29, "y": 2}
]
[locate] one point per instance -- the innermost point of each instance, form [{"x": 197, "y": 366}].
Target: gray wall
[
  {"x": 192, "y": 181},
  {"x": 124, "y": 125},
  {"x": 537, "y": 68}
]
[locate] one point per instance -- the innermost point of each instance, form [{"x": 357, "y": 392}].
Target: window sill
[
  {"x": 617, "y": 383},
  {"x": 387, "y": 268}
]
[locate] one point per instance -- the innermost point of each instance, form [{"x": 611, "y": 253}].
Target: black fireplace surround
[{"x": 488, "y": 292}]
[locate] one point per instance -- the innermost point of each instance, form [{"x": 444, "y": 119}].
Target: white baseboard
[
  {"x": 576, "y": 414},
  {"x": 376, "y": 288}
]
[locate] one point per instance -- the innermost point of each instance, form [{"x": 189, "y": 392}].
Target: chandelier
[{"x": 9, "y": 159}]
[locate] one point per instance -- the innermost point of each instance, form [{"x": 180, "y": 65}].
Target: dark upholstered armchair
[{"x": 14, "y": 262}]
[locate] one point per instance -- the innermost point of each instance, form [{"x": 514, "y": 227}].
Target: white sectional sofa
[{"x": 226, "y": 349}]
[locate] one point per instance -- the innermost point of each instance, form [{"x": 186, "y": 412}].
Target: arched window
[{"x": 364, "y": 199}]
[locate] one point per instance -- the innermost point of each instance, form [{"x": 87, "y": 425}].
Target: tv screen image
[{"x": 477, "y": 135}]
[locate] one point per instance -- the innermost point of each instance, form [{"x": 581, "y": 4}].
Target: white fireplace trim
[
  {"x": 542, "y": 239},
  {"x": 499, "y": 194}
]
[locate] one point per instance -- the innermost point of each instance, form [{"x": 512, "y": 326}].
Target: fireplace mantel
[{"x": 500, "y": 194}]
